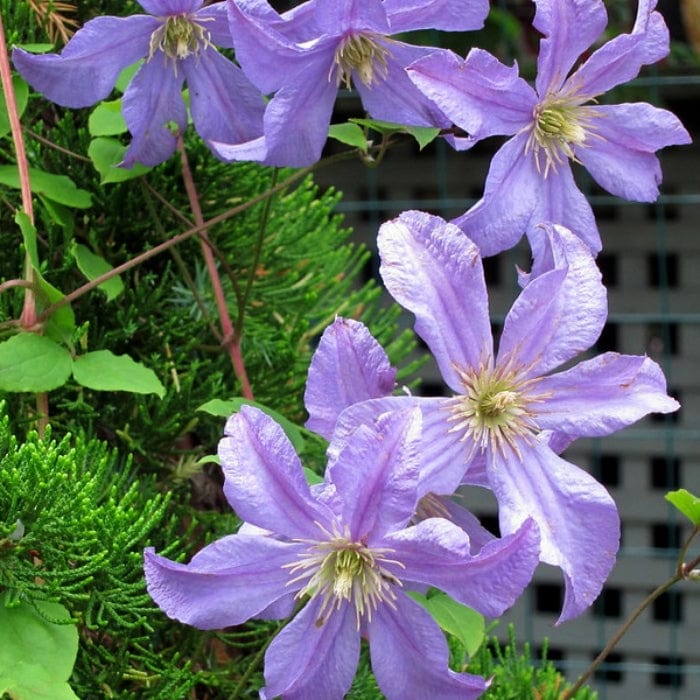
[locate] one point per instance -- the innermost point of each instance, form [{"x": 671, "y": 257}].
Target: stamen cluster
[
  {"x": 363, "y": 55},
  {"x": 495, "y": 409},
  {"x": 179, "y": 37},
  {"x": 339, "y": 569}
]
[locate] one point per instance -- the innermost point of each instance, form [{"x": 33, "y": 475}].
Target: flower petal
[
  {"x": 88, "y": 67},
  {"x": 620, "y": 155},
  {"x": 479, "y": 94},
  {"x": 264, "y": 481},
  {"x": 348, "y": 366},
  {"x": 578, "y": 521},
  {"x": 513, "y": 185},
  {"x": 447, "y": 15},
  {"x": 376, "y": 475},
  {"x": 602, "y": 395},
  {"x": 409, "y": 656},
  {"x": 336, "y": 17},
  {"x": 226, "y": 583},
  {"x": 393, "y": 97},
  {"x": 164, "y": 8},
  {"x": 437, "y": 553},
  {"x": 224, "y": 104},
  {"x": 559, "y": 314},
  {"x": 153, "y": 100},
  {"x": 443, "y": 452},
  {"x": 621, "y": 58},
  {"x": 569, "y": 28},
  {"x": 313, "y": 658},
  {"x": 434, "y": 271},
  {"x": 214, "y": 18}
]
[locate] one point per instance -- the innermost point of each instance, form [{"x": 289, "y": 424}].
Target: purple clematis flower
[
  {"x": 347, "y": 549},
  {"x": 530, "y": 178},
  {"x": 509, "y": 415},
  {"x": 177, "y": 40},
  {"x": 305, "y": 55}
]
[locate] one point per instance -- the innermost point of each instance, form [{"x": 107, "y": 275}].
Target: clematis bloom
[
  {"x": 347, "y": 550},
  {"x": 177, "y": 42},
  {"x": 303, "y": 56},
  {"x": 509, "y": 415},
  {"x": 558, "y": 121}
]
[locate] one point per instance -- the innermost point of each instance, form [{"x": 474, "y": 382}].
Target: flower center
[
  {"x": 560, "y": 124},
  {"x": 178, "y": 37},
  {"x": 495, "y": 409},
  {"x": 363, "y": 55},
  {"x": 338, "y": 570}
]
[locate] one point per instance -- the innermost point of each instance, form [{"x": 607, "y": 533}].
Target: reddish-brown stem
[
  {"x": 231, "y": 338},
  {"x": 28, "y": 319}
]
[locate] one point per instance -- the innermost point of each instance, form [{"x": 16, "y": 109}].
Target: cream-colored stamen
[
  {"x": 363, "y": 55},
  {"x": 179, "y": 37}
]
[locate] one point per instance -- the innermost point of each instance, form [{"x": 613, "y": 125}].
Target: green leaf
[
  {"x": 312, "y": 477},
  {"x": 36, "y": 48},
  {"x": 57, "y": 187},
  {"x": 21, "y": 90},
  {"x": 93, "y": 266},
  {"x": 107, "y": 120},
  {"x": 106, "y": 154},
  {"x": 687, "y": 503},
  {"x": 221, "y": 408},
  {"x": 31, "y": 362},
  {"x": 423, "y": 134},
  {"x": 350, "y": 134},
  {"x": 104, "y": 371},
  {"x": 61, "y": 323},
  {"x": 126, "y": 75},
  {"x": 36, "y": 656},
  {"x": 465, "y": 624}
]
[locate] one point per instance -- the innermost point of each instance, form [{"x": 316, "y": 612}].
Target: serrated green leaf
[
  {"x": 102, "y": 370},
  {"x": 93, "y": 266},
  {"x": 21, "y": 90},
  {"x": 36, "y": 656},
  {"x": 687, "y": 503},
  {"x": 422, "y": 134},
  {"x": 462, "y": 622},
  {"x": 106, "y": 154},
  {"x": 61, "y": 323},
  {"x": 33, "y": 363},
  {"x": 59, "y": 188},
  {"x": 350, "y": 134},
  {"x": 221, "y": 408},
  {"x": 107, "y": 120}
]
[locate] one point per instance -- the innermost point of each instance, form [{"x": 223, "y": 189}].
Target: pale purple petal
[
  {"x": 578, "y": 521},
  {"x": 226, "y": 583},
  {"x": 376, "y": 475},
  {"x": 432, "y": 506},
  {"x": 313, "y": 658},
  {"x": 602, "y": 395},
  {"x": 264, "y": 481},
  {"x": 224, "y": 104},
  {"x": 335, "y": 17},
  {"x": 479, "y": 94},
  {"x": 434, "y": 271},
  {"x": 443, "y": 452},
  {"x": 268, "y": 57},
  {"x": 559, "y": 314},
  {"x": 409, "y": 656},
  {"x": 170, "y": 7},
  {"x": 393, "y": 97},
  {"x": 561, "y": 201},
  {"x": 87, "y": 68},
  {"x": 446, "y": 15},
  {"x": 254, "y": 150},
  {"x": 621, "y": 58},
  {"x": 620, "y": 154},
  {"x": 513, "y": 185},
  {"x": 569, "y": 28},
  {"x": 151, "y": 102},
  {"x": 437, "y": 553},
  {"x": 348, "y": 366}
]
